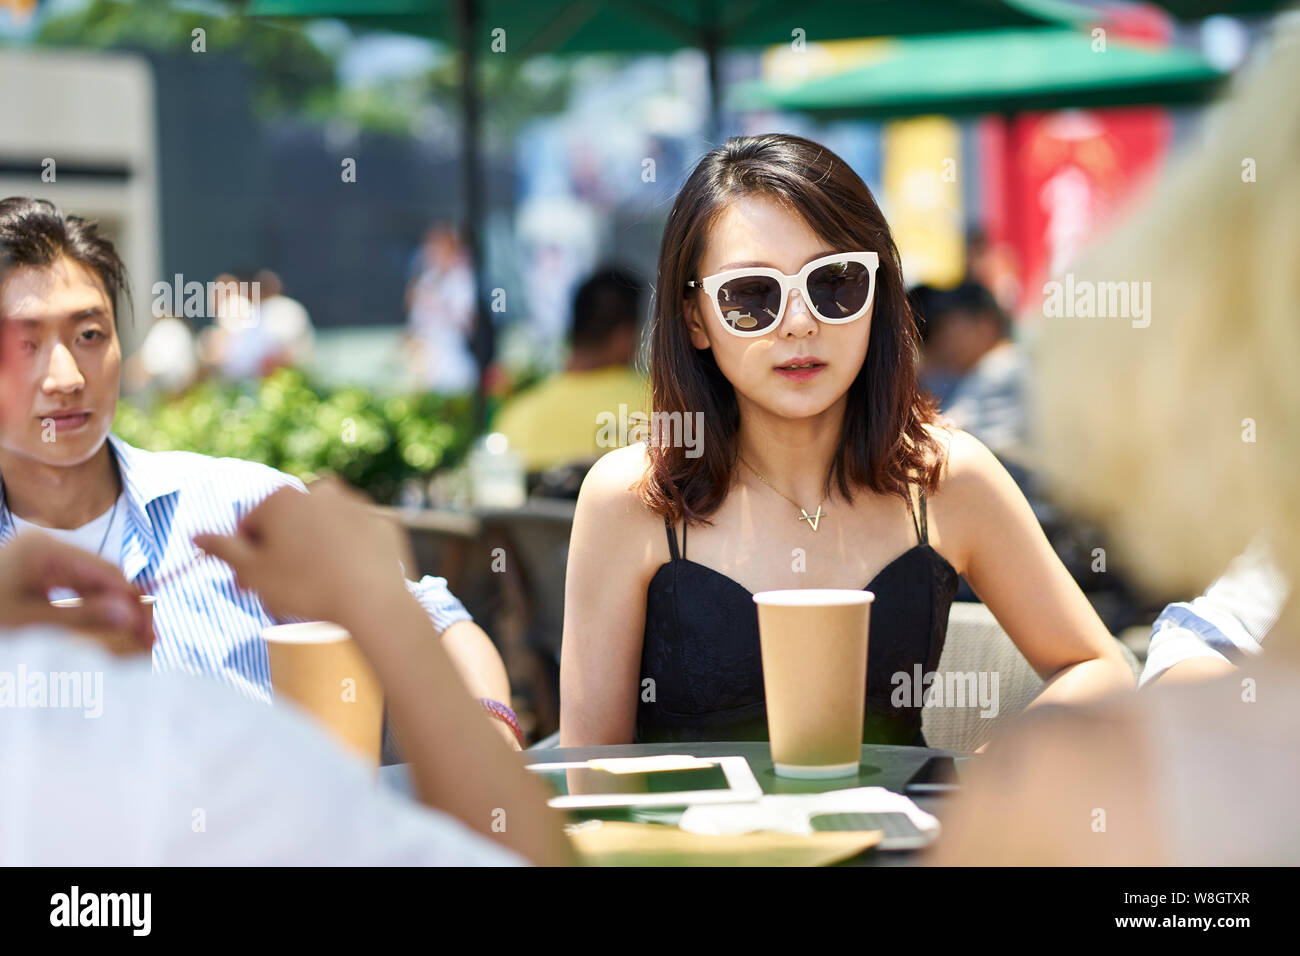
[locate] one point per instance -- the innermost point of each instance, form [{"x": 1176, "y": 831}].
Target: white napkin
[{"x": 790, "y": 813}]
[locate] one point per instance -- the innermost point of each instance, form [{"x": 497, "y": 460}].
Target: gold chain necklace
[{"x": 813, "y": 519}]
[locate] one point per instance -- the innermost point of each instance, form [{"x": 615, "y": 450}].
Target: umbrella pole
[
  {"x": 713, "y": 54},
  {"x": 483, "y": 338}
]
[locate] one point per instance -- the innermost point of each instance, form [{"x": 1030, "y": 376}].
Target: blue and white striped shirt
[
  {"x": 204, "y": 623},
  {"x": 1228, "y": 622}
]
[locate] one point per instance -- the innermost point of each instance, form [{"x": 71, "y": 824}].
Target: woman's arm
[
  {"x": 612, "y": 556},
  {"x": 323, "y": 555},
  {"x": 990, "y": 534},
  {"x": 481, "y": 668}
]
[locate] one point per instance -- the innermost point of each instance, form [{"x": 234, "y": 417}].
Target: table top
[{"x": 882, "y": 766}]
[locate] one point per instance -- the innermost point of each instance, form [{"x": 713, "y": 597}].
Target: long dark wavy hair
[{"x": 884, "y": 445}]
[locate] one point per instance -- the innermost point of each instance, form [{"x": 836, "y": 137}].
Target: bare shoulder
[
  {"x": 610, "y": 505},
  {"x": 976, "y": 498},
  {"x": 612, "y": 481},
  {"x": 965, "y": 462}
]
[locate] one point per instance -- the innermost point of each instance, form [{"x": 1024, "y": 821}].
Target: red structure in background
[{"x": 1052, "y": 180}]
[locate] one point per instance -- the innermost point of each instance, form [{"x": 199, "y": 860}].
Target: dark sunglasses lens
[
  {"x": 839, "y": 289},
  {"x": 750, "y": 303}
]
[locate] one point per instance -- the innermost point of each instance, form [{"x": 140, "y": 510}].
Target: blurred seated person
[
  {"x": 273, "y": 787},
  {"x": 1148, "y": 434},
  {"x": 236, "y": 342},
  {"x": 167, "y": 360},
  {"x": 977, "y": 370},
  {"x": 1213, "y": 634},
  {"x": 932, "y": 377},
  {"x": 291, "y": 338},
  {"x": 62, "y": 472},
  {"x": 573, "y": 416},
  {"x": 995, "y": 266}
]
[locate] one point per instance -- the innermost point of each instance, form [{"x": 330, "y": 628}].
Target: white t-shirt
[
  {"x": 88, "y": 537},
  {"x": 138, "y": 769}
]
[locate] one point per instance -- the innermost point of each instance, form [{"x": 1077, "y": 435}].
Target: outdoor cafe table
[{"x": 881, "y": 766}]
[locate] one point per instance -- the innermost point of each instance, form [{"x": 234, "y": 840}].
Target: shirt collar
[
  {"x": 143, "y": 482},
  {"x": 142, "y": 479}
]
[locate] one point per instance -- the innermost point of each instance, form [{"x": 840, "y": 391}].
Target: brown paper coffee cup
[
  {"x": 814, "y": 647},
  {"x": 319, "y": 667}
]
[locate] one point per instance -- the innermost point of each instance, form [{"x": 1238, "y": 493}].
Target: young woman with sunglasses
[{"x": 782, "y": 330}]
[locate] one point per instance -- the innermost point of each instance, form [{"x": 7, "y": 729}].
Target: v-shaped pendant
[{"x": 813, "y": 520}]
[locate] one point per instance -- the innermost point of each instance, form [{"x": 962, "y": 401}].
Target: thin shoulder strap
[
  {"x": 672, "y": 537},
  {"x": 916, "y": 510},
  {"x": 685, "y": 525},
  {"x": 924, "y": 533}
]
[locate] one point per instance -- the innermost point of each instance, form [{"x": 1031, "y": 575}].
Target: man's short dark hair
[
  {"x": 33, "y": 232},
  {"x": 931, "y": 305},
  {"x": 607, "y": 301}
]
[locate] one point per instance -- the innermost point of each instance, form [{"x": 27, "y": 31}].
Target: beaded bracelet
[{"x": 504, "y": 714}]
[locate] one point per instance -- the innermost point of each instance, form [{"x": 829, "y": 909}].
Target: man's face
[
  {"x": 959, "y": 340},
  {"x": 60, "y": 362}
]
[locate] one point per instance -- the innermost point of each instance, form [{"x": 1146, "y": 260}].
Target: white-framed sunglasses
[{"x": 750, "y": 302}]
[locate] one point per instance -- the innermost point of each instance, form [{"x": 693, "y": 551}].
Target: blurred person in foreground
[
  {"x": 64, "y": 473},
  {"x": 1184, "y": 435},
  {"x": 559, "y": 421},
  {"x": 93, "y": 779}
]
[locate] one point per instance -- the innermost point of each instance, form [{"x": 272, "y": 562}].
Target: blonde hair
[{"x": 1183, "y": 436}]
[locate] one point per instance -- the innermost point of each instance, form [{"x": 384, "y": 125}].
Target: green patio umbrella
[
  {"x": 1199, "y": 9},
  {"x": 645, "y": 26},
  {"x": 642, "y": 26},
  {"x": 996, "y": 72}
]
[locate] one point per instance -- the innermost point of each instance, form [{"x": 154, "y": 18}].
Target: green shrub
[{"x": 376, "y": 443}]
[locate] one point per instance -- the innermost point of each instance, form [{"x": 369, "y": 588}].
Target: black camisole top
[{"x": 701, "y": 648}]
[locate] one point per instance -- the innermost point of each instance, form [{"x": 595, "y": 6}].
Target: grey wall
[{"x": 241, "y": 194}]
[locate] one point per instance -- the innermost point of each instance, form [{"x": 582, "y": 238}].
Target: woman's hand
[
  {"x": 324, "y": 555},
  {"x": 33, "y": 564}
]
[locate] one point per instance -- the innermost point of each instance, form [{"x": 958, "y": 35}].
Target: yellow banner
[{"x": 921, "y": 174}]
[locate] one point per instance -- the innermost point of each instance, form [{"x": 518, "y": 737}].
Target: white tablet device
[{"x": 662, "y": 781}]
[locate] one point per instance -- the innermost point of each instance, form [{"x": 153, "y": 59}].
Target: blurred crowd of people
[{"x": 254, "y": 328}]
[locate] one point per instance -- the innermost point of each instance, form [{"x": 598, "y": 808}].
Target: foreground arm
[
  {"x": 343, "y": 559},
  {"x": 33, "y": 564}
]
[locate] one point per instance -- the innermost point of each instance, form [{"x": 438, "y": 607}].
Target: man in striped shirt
[
  {"x": 61, "y": 471},
  {"x": 1218, "y": 631}
]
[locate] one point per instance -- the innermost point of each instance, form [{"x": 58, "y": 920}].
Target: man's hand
[
  {"x": 33, "y": 564},
  {"x": 324, "y": 555}
]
